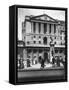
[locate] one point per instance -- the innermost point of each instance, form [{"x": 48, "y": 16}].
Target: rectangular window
[
  {"x": 50, "y": 28},
  {"x": 34, "y": 36},
  {"x": 45, "y": 27},
  {"x": 60, "y": 32},
  {"x": 34, "y": 27},
  {"x": 39, "y": 36},
  {"x": 39, "y": 42},
  {"x": 34, "y": 42},
  {"x": 28, "y": 42},
  {"x": 61, "y": 37},
  {"x": 54, "y": 28}
]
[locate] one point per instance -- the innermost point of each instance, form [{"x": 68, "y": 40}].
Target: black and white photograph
[
  {"x": 41, "y": 43},
  {"x": 34, "y": 45}
]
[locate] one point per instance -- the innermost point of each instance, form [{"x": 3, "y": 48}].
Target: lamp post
[{"x": 52, "y": 52}]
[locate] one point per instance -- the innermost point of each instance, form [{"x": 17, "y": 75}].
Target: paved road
[{"x": 50, "y": 73}]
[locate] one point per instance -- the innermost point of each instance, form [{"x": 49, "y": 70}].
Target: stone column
[
  {"x": 52, "y": 28},
  {"x": 42, "y": 28},
  {"x": 57, "y": 29}
]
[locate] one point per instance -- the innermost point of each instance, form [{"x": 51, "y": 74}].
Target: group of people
[
  {"x": 42, "y": 62},
  {"x": 56, "y": 61},
  {"x": 22, "y": 63}
]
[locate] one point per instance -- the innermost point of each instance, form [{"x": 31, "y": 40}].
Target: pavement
[{"x": 38, "y": 66}]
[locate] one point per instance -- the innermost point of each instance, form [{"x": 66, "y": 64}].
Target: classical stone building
[{"x": 42, "y": 36}]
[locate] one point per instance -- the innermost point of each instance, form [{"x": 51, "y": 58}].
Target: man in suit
[
  {"x": 58, "y": 61},
  {"x": 41, "y": 61},
  {"x": 46, "y": 57},
  {"x": 53, "y": 60},
  {"x": 62, "y": 61}
]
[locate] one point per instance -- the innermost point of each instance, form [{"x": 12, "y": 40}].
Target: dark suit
[
  {"x": 58, "y": 62},
  {"x": 53, "y": 60},
  {"x": 45, "y": 57},
  {"x": 42, "y": 64}
]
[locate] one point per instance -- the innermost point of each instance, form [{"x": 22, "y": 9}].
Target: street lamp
[{"x": 52, "y": 45}]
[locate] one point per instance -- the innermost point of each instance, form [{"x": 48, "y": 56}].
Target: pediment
[{"x": 43, "y": 17}]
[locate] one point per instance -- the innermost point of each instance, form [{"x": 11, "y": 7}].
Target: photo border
[{"x": 35, "y": 80}]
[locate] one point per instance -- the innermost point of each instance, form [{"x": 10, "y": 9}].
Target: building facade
[{"x": 42, "y": 36}]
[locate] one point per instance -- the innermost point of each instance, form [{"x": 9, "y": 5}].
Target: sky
[{"x": 22, "y": 12}]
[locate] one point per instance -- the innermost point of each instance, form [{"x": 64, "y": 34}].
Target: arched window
[{"x": 45, "y": 40}]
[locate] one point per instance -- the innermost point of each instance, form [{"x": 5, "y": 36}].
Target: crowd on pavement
[{"x": 56, "y": 62}]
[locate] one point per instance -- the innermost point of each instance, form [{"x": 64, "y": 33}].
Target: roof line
[{"x": 43, "y": 15}]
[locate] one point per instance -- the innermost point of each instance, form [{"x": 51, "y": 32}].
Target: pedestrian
[
  {"x": 53, "y": 60},
  {"x": 28, "y": 63},
  {"x": 41, "y": 61},
  {"x": 46, "y": 57},
  {"x": 58, "y": 61},
  {"x": 62, "y": 61},
  {"x": 22, "y": 64}
]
